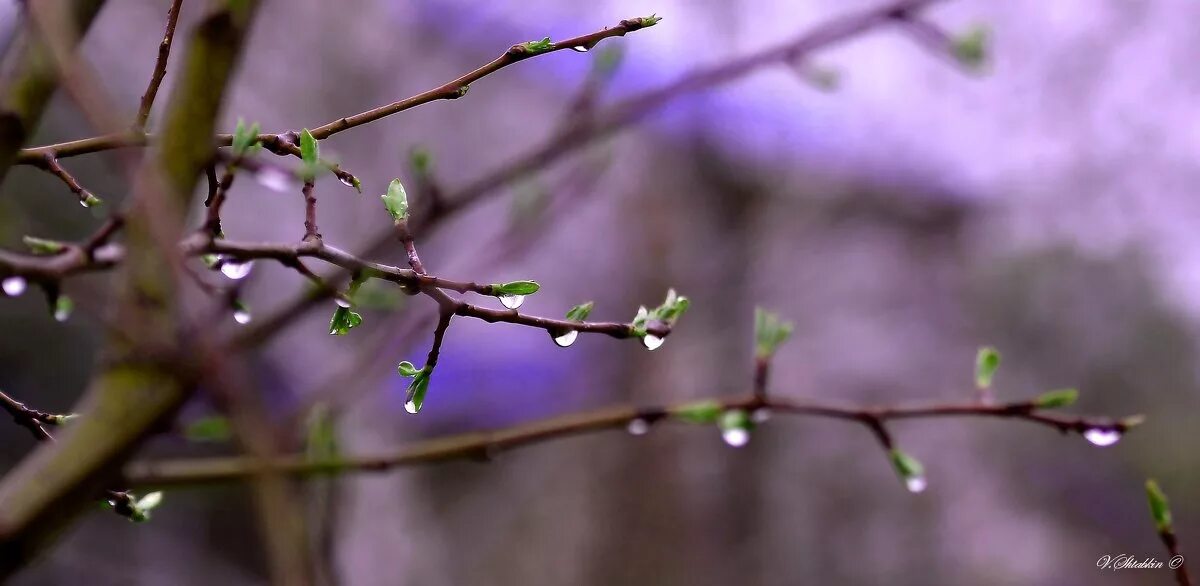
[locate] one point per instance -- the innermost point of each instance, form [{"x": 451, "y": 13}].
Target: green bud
[
  {"x": 987, "y": 360},
  {"x": 699, "y": 412},
  {"x": 406, "y": 369},
  {"x": 343, "y": 321},
  {"x": 769, "y": 332},
  {"x": 43, "y": 246},
  {"x": 909, "y": 469},
  {"x": 396, "y": 200},
  {"x": 1056, "y": 399},
  {"x": 535, "y": 47},
  {"x": 971, "y": 47},
  {"x": 1160, "y": 511},
  {"x": 516, "y": 288},
  {"x": 211, "y": 429},
  {"x": 580, "y": 312}
]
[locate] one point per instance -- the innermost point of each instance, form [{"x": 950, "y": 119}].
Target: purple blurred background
[{"x": 902, "y": 220}]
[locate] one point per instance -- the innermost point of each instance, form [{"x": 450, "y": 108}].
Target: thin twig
[{"x": 160, "y": 67}]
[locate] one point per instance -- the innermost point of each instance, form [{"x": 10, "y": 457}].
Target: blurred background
[{"x": 902, "y": 216}]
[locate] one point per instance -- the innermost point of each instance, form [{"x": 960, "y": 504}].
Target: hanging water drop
[
  {"x": 236, "y": 270},
  {"x": 760, "y": 415},
  {"x": 915, "y": 484},
  {"x": 346, "y": 181},
  {"x": 652, "y": 342},
  {"x": 412, "y": 406},
  {"x": 1102, "y": 437},
  {"x": 736, "y": 436},
  {"x": 274, "y": 179},
  {"x": 566, "y": 339},
  {"x": 241, "y": 316},
  {"x": 14, "y": 286},
  {"x": 343, "y": 302},
  {"x": 638, "y": 426},
  {"x": 580, "y": 48},
  {"x": 511, "y": 301}
]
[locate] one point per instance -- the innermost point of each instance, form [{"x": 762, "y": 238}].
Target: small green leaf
[
  {"x": 90, "y": 200},
  {"x": 143, "y": 506},
  {"x": 516, "y": 288},
  {"x": 210, "y": 260},
  {"x": 214, "y": 428},
  {"x": 580, "y": 312},
  {"x": 651, "y": 20},
  {"x": 310, "y": 153},
  {"x": 1056, "y": 399},
  {"x": 535, "y": 47},
  {"x": 735, "y": 419},
  {"x": 769, "y": 332},
  {"x": 1160, "y": 510},
  {"x": 245, "y": 139},
  {"x": 987, "y": 360},
  {"x": 908, "y": 468},
  {"x": 414, "y": 397},
  {"x": 63, "y": 419},
  {"x": 63, "y": 306},
  {"x": 700, "y": 412},
  {"x": 971, "y": 47},
  {"x": 43, "y": 246},
  {"x": 343, "y": 321},
  {"x": 396, "y": 200},
  {"x": 407, "y": 369}
]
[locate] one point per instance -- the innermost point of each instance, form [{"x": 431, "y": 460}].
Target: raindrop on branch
[
  {"x": 638, "y": 426},
  {"x": 511, "y": 301},
  {"x": 1102, "y": 437},
  {"x": 236, "y": 270},
  {"x": 346, "y": 181},
  {"x": 652, "y": 342},
  {"x": 580, "y": 48},
  {"x": 566, "y": 339},
  {"x": 342, "y": 302},
  {"x": 14, "y": 286},
  {"x": 241, "y": 316},
  {"x": 736, "y": 436}
]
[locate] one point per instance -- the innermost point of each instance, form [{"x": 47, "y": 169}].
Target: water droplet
[
  {"x": 1102, "y": 437},
  {"x": 652, "y": 342},
  {"x": 412, "y": 407},
  {"x": 760, "y": 415},
  {"x": 915, "y": 484},
  {"x": 236, "y": 270},
  {"x": 512, "y": 301},
  {"x": 84, "y": 203},
  {"x": 14, "y": 286},
  {"x": 342, "y": 302},
  {"x": 241, "y": 316},
  {"x": 736, "y": 436},
  {"x": 580, "y": 49},
  {"x": 566, "y": 339},
  {"x": 275, "y": 179},
  {"x": 638, "y": 426},
  {"x": 346, "y": 181}
]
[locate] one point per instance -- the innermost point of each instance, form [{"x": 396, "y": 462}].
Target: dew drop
[
  {"x": 652, "y": 342},
  {"x": 412, "y": 407},
  {"x": 760, "y": 415},
  {"x": 236, "y": 270},
  {"x": 638, "y": 426},
  {"x": 241, "y": 316},
  {"x": 566, "y": 339},
  {"x": 512, "y": 301},
  {"x": 346, "y": 181},
  {"x": 580, "y": 49},
  {"x": 342, "y": 302},
  {"x": 274, "y": 179},
  {"x": 1102, "y": 437},
  {"x": 84, "y": 203},
  {"x": 915, "y": 484},
  {"x": 14, "y": 286},
  {"x": 736, "y": 436}
]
